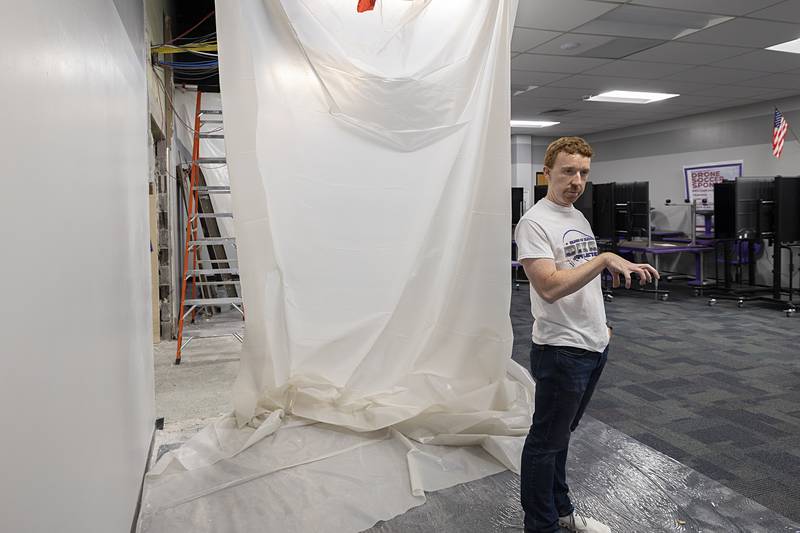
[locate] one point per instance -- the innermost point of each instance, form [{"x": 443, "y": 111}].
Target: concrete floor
[
  {"x": 190, "y": 395},
  {"x": 659, "y": 493}
]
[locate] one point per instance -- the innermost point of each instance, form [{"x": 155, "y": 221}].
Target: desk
[
  {"x": 665, "y": 233},
  {"x": 661, "y": 248}
]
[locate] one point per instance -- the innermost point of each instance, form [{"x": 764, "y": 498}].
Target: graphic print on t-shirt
[{"x": 578, "y": 247}]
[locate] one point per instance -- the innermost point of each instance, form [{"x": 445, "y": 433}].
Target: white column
[{"x": 521, "y": 165}]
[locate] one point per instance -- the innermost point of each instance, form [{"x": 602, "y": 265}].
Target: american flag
[{"x": 778, "y": 133}]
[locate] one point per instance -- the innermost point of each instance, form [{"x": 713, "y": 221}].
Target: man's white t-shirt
[{"x": 563, "y": 234}]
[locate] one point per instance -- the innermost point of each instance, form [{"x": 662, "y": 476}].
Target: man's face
[{"x": 567, "y": 178}]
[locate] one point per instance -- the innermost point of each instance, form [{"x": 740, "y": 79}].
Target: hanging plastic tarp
[{"x": 370, "y": 167}]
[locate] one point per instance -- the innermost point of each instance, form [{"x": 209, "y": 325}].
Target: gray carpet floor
[{"x": 716, "y": 388}]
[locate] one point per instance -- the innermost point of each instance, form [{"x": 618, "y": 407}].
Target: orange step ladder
[{"x": 194, "y": 241}]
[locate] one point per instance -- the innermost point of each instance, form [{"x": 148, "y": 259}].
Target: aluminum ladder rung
[
  {"x": 211, "y": 111},
  {"x": 216, "y": 283},
  {"x": 210, "y": 161},
  {"x": 212, "y": 215},
  {"x": 212, "y": 136},
  {"x": 212, "y": 241},
  {"x": 213, "y": 189},
  {"x": 235, "y": 334},
  {"x": 210, "y": 271},
  {"x": 216, "y": 261},
  {"x": 211, "y": 121},
  {"x": 213, "y": 301}
]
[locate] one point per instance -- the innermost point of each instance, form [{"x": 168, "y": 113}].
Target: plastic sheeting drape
[{"x": 370, "y": 164}]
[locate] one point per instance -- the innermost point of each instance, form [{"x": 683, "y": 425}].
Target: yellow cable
[{"x": 169, "y": 49}]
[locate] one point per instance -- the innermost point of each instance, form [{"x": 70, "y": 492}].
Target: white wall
[
  {"x": 76, "y": 383},
  {"x": 658, "y": 152}
]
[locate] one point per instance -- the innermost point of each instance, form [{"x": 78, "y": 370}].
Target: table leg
[{"x": 655, "y": 260}]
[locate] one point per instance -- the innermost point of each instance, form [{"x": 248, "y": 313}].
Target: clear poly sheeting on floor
[
  {"x": 631, "y": 487},
  {"x": 370, "y": 167}
]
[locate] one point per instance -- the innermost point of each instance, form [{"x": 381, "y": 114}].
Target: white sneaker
[{"x": 582, "y": 524}]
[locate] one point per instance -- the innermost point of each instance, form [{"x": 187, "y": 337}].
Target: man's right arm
[{"x": 553, "y": 284}]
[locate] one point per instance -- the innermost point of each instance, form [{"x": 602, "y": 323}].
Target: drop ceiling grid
[{"x": 701, "y": 66}]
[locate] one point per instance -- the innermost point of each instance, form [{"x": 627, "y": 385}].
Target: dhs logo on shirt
[{"x": 578, "y": 247}]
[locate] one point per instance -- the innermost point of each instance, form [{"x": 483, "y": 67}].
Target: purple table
[{"x": 661, "y": 248}]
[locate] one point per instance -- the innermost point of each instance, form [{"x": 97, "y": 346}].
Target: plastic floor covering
[{"x": 631, "y": 487}]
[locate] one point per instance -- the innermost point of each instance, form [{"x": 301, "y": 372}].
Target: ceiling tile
[
  {"x": 650, "y": 23},
  {"x": 583, "y": 42},
  {"x": 765, "y": 60},
  {"x": 733, "y": 91},
  {"x": 559, "y": 15},
  {"x": 560, "y": 93},
  {"x": 715, "y": 75},
  {"x": 784, "y": 94},
  {"x": 544, "y": 63},
  {"x": 600, "y": 46},
  {"x": 788, "y": 11},
  {"x": 746, "y": 32},
  {"x": 599, "y": 84},
  {"x": 637, "y": 69},
  {"x": 524, "y": 39},
  {"x": 621, "y": 47},
  {"x": 722, "y": 7},
  {"x": 776, "y": 82},
  {"x": 528, "y": 105},
  {"x": 528, "y": 77},
  {"x": 686, "y": 53},
  {"x": 707, "y": 101}
]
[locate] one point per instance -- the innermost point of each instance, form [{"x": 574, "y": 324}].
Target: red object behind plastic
[{"x": 366, "y": 5}]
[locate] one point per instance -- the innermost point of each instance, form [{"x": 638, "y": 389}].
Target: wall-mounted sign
[{"x": 700, "y": 179}]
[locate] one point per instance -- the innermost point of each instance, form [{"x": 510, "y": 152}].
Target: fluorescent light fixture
[
  {"x": 532, "y": 123},
  {"x": 793, "y": 47},
  {"x": 630, "y": 97}
]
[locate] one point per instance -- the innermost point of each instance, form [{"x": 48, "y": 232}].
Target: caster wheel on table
[
  {"x": 664, "y": 297},
  {"x": 608, "y": 298},
  {"x": 697, "y": 292},
  {"x": 789, "y": 312},
  {"x": 740, "y": 304},
  {"x": 712, "y": 302}
]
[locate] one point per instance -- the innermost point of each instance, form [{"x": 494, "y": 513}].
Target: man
[{"x": 558, "y": 251}]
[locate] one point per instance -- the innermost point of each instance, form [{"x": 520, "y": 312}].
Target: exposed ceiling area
[
  {"x": 711, "y": 52},
  {"x": 187, "y": 15}
]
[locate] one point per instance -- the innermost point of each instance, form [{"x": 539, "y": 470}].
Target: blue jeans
[{"x": 565, "y": 380}]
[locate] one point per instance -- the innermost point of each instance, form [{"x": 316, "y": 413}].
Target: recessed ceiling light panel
[
  {"x": 532, "y": 123},
  {"x": 630, "y": 97},
  {"x": 793, "y": 47}
]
